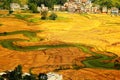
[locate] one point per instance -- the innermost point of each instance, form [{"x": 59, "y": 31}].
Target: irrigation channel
[{"x": 95, "y": 61}]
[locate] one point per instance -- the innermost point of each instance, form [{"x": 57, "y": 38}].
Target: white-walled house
[
  {"x": 15, "y": 6},
  {"x": 54, "y": 76},
  {"x": 57, "y": 7},
  {"x": 114, "y": 11},
  {"x": 25, "y": 7}
]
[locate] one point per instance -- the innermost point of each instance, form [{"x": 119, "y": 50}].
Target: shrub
[
  {"x": 11, "y": 11},
  {"x": 53, "y": 16},
  {"x": 117, "y": 65},
  {"x": 34, "y": 20},
  {"x": 44, "y": 14},
  {"x": 76, "y": 67},
  {"x": 16, "y": 74}
]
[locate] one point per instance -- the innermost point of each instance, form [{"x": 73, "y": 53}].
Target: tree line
[
  {"x": 107, "y": 3},
  {"x": 49, "y": 3},
  {"x": 17, "y": 74}
]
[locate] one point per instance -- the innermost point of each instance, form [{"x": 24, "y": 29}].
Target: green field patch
[
  {"x": 62, "y": 18},
  {"x": 34, "y": 20},
  {"x": 29, "y": 34},
  {"x": 23, "y": 16}
]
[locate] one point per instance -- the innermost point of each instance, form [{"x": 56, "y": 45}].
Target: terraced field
[{"x": 62, "y": 45}]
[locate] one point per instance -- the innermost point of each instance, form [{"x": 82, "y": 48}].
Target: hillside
[{"x": 88, "y": 42}]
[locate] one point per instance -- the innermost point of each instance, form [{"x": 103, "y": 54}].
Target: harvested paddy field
[{"x": 81, "y": 44}]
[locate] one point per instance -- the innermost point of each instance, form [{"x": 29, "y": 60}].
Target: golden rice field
[
  {"x": 98, "y": 30},
  {"x": 101, "y": 31}
]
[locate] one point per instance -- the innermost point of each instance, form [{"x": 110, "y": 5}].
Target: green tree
[
  {"x": 16, "y": 74},
  {"x": 116, "y": 3},
  {"x": 107, "y": 3},
  {"x": 6, "y": 3},
  {"x": 61, "y": 1},
  {"x": 33, "y": 7},
  {"x": 48, "y": 3}
]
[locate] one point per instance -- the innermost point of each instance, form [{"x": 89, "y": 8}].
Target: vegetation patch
[
  {"x": 53, "y": 16},
  {"x": 17, "y": 74},
  {"x": 1, "y": 15},
  {"x": 62, "y": 18},
  {"x": 23, "y": 16},
  {"x": 76, "y": 67},
  {"x": 34, "y": 20}
]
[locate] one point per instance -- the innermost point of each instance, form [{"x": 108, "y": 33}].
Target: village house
[
  {"x": 25, "y": 7},
  {"x": 104, "y": 10},
  {"x": 54, "y": 76},
  {"x": 96, "y": 9},
  {"x": 39, "y": 9},
  {"x": 114, "y": 11},
  {"x": 43, "y": 7},
  {"x": 57, "y": 7},
  {"x": 15, "y": 6}
]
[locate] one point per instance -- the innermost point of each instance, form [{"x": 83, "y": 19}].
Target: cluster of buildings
[
  {"x": 16, "y": 6},
  {"x": 84, "y": 6},
  {"x": 78, "y": 6}
]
